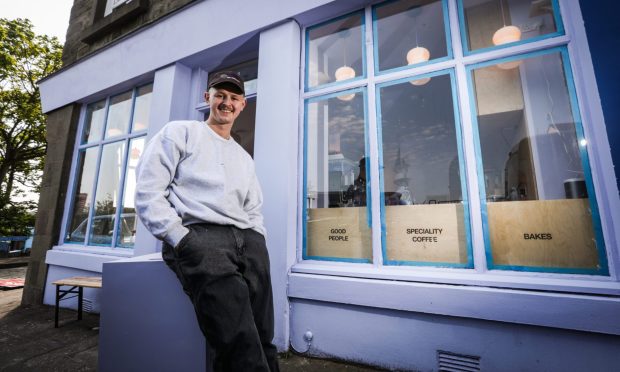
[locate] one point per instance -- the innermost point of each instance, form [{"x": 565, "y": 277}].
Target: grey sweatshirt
[{"x": 189, "y": 174}]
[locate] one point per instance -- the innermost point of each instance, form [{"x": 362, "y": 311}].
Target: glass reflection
[
  {"x": 142, "y": 108},
  {"x": 118, "y": 115},
  {"x": 409, "y": 32},
  {"x": 335, "y": 51},
  {"x": 126, "y": 232},
  {"x": 498, "y": 22},
  {"x": 106, "y": 195},
  {"x": 421, "y": 176},
  {"x": 93, "y": 126},
  {"x": 76, "y": 230},
  {"x": 337, "y": 221},
  {"x": 535, "y": 183}
]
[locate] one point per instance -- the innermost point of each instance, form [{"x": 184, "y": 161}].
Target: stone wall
[
  {"x": 89, "y": 32},
  {"x": 61, "y": 128}
]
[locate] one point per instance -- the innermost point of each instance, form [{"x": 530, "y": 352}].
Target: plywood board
[
  {"x": 543, "y": 233},
  {"x": 338, "y": 232},
  {"x": 426, "y": 233}
]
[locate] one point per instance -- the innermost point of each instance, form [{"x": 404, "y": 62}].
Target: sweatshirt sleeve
[
  {"x": 155, "y": 171},
  {"x": 253, "y": 204}
]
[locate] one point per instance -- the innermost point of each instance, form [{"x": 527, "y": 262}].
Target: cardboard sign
[
  {"x": 547, "y": 233},
  {"x": 426, "y": 233},
  {"x": 338, "y": 232}
]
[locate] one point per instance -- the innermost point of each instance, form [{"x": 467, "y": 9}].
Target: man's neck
[{"x": 222, "y": 130}]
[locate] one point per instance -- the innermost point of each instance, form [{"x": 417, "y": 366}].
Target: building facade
[{"x": 438, "y": 174}]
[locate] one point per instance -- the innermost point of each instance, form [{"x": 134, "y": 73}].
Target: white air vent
[
  {"x": 451, "y": 362},
  {"x": 87, "y": 305}
]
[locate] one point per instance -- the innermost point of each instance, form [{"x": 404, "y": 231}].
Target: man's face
[{"x": 225, "y": 105}]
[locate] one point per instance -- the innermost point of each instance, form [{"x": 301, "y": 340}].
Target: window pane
[
  {"x": 142, "y": 108},
  {"x": 106, "y": 196},
  {"x": 538, "y": 202},
  {"x": 410, "y": 32},
  {"x": 87, "y": 163},
  {"x": 422, "y": 190},
  {"x": 118, "y": 115},
  {"x": 499, "y": 22},
  {"x": 127, "y": 228},
  {"x": 335, "y": 51},
  {"x": 337, "y": 220},
  {"x": 93, "y": 126}
]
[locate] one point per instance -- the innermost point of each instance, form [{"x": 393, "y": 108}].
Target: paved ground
[{"x": 29, "y": 341}]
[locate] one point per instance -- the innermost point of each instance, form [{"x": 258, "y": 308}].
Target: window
[
  {"x": 111, "y": 141},
  {"x": 387, "y": 179}
]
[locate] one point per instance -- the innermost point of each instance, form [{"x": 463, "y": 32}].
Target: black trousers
[{"x": 225, "y": 272}]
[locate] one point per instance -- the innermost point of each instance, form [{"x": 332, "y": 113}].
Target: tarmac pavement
[{"x": 29, "y": 341}]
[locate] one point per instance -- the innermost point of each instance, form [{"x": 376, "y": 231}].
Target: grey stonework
[
  {"x": 83, "y": 16},
  {"x": 61, "y": 128}
]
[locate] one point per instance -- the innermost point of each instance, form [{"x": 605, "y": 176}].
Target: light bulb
[
  {"x": 419, "y": 82},
  {"x": 418, "y": 55},
  {"x": 346, "y": 97},
  {"x": 344, "y": 73},
  {"x": 506, "y": 34}
]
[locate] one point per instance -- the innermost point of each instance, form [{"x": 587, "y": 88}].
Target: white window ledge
[
  {"x": 84, "y": 258},
  {"x": 571, "y": 283},
  {"x": 559, "y": 310}
]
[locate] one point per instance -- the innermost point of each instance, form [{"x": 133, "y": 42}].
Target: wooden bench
[{"x": 76, "y": 284}]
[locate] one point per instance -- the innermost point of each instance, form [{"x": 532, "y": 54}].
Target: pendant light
[
  {"x": 418, "y": 55},
  {"x": 505, "y": 35},
  {"x": 345, "y": 72}
]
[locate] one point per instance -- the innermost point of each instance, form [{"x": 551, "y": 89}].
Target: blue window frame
[
  {"x": 523, "y": 116},
  {"x": 335, "y": 51},
  {"x": 553, "y": 198},
  {"x": 410, "y": 33},
  {"x": 112, "y": 138},
  {"x": 497, "y": 24}
]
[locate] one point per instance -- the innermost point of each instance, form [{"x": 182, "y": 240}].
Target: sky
[{"x": 50, "y": 17}]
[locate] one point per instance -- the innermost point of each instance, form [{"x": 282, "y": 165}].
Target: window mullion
[
  {"x": 91, "y": 209},
  {"x": 373, "y": 144},
  {"x": 71, "y": 188},
  {"x": 123, "y": 170},
  {"x": 465, "y": 99}
]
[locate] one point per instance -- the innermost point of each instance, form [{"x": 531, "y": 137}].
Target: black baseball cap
[{"x": 230, "y": 78}]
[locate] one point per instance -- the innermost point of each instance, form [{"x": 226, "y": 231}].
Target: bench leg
[
  {"x": 80, "y": 295},
  {"x": 57, "y": 304}
]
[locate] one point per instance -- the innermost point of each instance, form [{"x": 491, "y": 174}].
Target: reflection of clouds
[{"x": 421, "y": 122}]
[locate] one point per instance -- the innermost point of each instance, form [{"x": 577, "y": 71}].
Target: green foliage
[
  {"x": 16, "y": 220},
  {"x": 25, "y": 58}
]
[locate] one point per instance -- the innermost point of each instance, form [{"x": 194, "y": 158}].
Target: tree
[{"x": 25, "y": 58}]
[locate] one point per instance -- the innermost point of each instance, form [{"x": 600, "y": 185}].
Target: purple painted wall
[{"x": 603, "y": 30}]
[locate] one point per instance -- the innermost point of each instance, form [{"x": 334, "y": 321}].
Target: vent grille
[
  {"x": 87, "y": 305},
  {"x": 451, "y": 362}
]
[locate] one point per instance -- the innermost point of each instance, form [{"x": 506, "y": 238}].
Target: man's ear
[{"x": 207, "y": 96}]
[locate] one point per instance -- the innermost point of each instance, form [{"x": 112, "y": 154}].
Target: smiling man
[{"x": 197, "y": 191}]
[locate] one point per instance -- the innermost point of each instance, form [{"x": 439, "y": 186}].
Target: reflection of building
[
  {"x": 367, "y": 310},
  {"x": 341, "y": 176},
  {"x": 402, "y": 181}
]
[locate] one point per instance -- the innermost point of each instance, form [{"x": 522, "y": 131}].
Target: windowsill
[
  {"x": 118, "y": 17},
  {"x": 567, "y": 283},
  {"x": 83, "y": 257},
  {"x": 581, "y": 312}
]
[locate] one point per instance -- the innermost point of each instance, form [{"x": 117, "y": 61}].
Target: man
[{"x": 197, "y": 191}]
